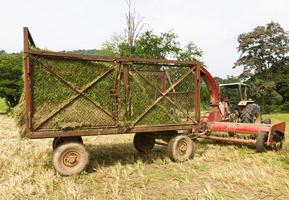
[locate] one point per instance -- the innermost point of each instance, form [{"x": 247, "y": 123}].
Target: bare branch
[{"x": 134, "y": 26}]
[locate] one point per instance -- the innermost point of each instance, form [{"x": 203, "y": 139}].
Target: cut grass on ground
[
  {"x": 116, "y": 171},
  {"x": 3, "y": 106}
]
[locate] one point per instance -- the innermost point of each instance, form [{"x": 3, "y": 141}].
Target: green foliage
[
  {"x": 99, "y": 52},
  {"x": 229, "y": 79},
  {"x": 265, "y": 62},
  {"x": 11, "y": 83},
  {"x": 282, "y": 84},
  {"x": 205, "y": 97},
  {"x": 151, "y": 45},
  {"x": 190, "y": 52},
  {"x": 285, "y": 107}
]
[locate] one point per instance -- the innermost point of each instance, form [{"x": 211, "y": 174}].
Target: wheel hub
[
  {"x": 182, "y": 147},
  {"x": 278, "y": 146},
  {"x": 71, "y": 159}
]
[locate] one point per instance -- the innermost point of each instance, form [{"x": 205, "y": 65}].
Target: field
[{"x": 116, "y": 171}]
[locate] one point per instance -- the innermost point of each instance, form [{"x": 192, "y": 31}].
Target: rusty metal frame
[
  {"x": 28, "y": 42},
  {"x": 122, "y": 67}
]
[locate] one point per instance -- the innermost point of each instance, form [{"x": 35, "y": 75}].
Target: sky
[{"x": 213, "y": 26}]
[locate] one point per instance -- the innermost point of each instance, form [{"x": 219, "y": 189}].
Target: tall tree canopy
[
  {"x": 264, "y": 59},
  {"x": 151, "y": 45}
]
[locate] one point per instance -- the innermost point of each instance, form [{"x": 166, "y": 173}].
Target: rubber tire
[
  {"x": 59, "y": 140},
  {"x": 173, "y": 149},
  {"x": 249, "y": 112},
  {"x": 64, "y": 148},
  {"x": 143, "y": 142},
  {"x": 278, "y": 139},
  {"x": 261, "y": 142}
]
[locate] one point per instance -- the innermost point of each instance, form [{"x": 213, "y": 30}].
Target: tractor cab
[
  {"x": 236, "y": 93},
  {"x": 234, "y": 97}
]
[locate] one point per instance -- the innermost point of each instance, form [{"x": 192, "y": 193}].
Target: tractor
[{"x": 235, "y": 105}]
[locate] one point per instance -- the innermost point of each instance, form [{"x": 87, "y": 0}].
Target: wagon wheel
[
  {"x": 59, "y": 140},
  {"x": 143, "y": 142},
  {"x": 261, "y": 142},
  {"x": 70, "y": 158},
  {"x": 180, "y": 148}
]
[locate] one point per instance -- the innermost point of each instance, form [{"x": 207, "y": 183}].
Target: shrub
[{"x": 11, "y": 83}]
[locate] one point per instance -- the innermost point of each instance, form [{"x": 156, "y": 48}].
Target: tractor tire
[
  {"x": 249, "y": 113},
  {"x": 180, "y": 148},
  {"x": 261, "y": 142},
  {"x": 59, "y": 140},
  {"x": 70, "y": 158},
  {"x": 278, "y": 138},
  {"x": 143, "y": 142}
]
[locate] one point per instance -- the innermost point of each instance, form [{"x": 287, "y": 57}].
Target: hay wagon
[{"x": 68, "y": 96}]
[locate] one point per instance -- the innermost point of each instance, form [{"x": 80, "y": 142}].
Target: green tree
[
  {"x": 151, "y": 45},
  {"x": 11, "y": 83},
  {"x": 135, "y": 43},
  {"x": 264, "y": 58}
]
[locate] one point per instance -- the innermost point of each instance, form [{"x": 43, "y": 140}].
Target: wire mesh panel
[
  {"x": 70, "y": 94},
  {"x": 160, "y": 95}
]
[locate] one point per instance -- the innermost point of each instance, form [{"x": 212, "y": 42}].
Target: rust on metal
[
  {"x": 126, "y": 89},
  {"x": 145, "y": 61},
  {"x": 224, "y": 139},
  {"x": 27, "y": 81},
  {"x": 111, "y": 130},
  {"x": 197, "y": 94}
]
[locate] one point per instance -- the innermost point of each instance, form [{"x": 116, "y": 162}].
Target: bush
[
  {"x": 11, "y": 83},
  {"x": 285, "y": 107}
]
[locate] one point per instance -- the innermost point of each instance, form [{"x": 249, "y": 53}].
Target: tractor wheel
[
  {"x": 59, "y": 140},
  {"x": 70, "y": 158},
  {"x": 261, "y": 142},
  {"x": 278, "y": 138},
  {"x": 180, "y": 148},
  {"x": 249, "y": 113},
  {"x": 143, "y": 142}
]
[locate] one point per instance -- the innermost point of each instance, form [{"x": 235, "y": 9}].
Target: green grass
[
  {"x": 3, "y": 106},
  {"x": 116, "y": 171}
]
